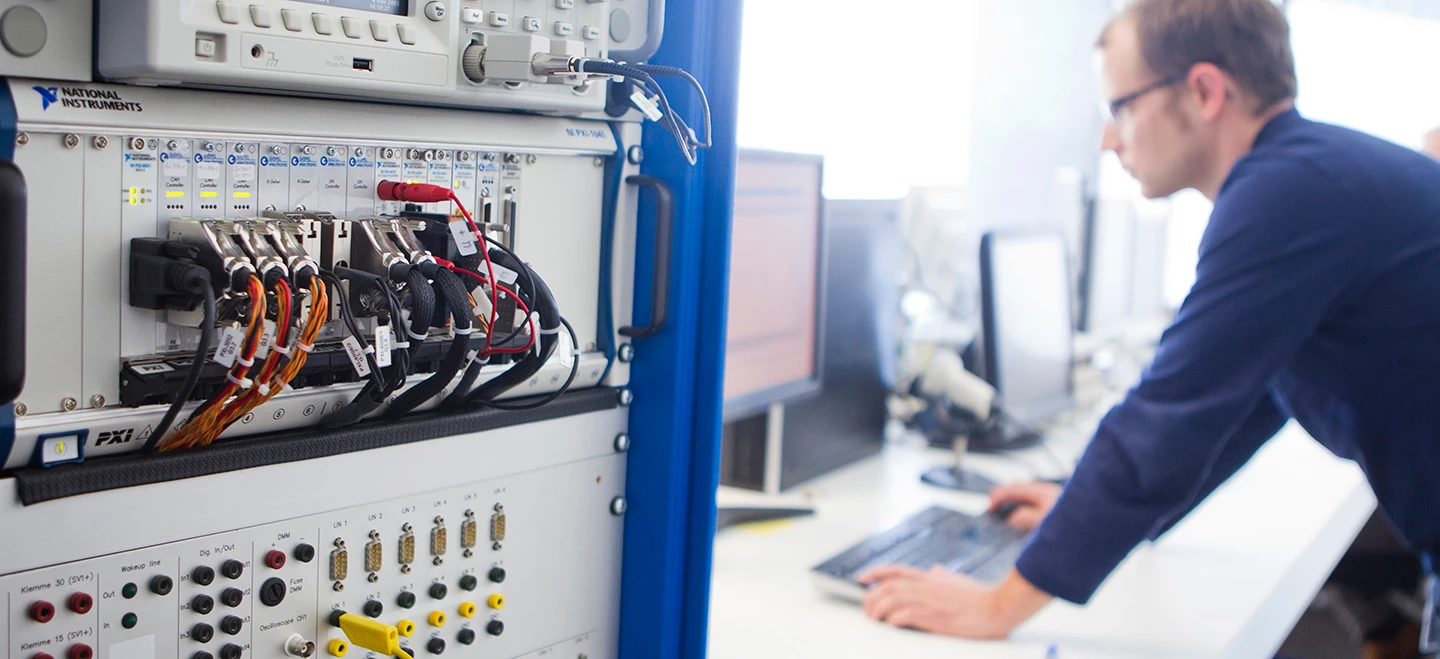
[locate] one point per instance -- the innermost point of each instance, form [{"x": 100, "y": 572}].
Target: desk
[{"x": 1228, "y": 581}]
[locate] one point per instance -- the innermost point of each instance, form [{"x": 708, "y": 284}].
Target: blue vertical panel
[
  {"x": 677, "y": 374},
  {"x": 719, "y": 61},
  {"x": 8, "y": 130}
]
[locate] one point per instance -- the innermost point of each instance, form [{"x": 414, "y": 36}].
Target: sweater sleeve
[
  {"x": 1264, "y": 421},
  {"x": 1283, "y": 246}
]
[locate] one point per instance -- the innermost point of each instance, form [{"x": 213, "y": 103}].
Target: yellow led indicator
[
  {"x": 210, "y": 193},
  {"x": 60, "y": 447},
  {"x": 457, "y": 185},
  {"x": 174, "y": 193},
  {"x": 242, "y": 195},
  {"x": 133, "y": 191},
  {"x": 134, "y": 201}
]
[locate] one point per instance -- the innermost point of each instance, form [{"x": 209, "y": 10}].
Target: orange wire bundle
[
  {"x": 315, "y": 321},
  {"x": 247, "y": 401},
  {"x": 202, "y": 421}
]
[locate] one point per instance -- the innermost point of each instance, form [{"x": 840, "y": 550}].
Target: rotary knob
[{"x": 472, "y": 62}]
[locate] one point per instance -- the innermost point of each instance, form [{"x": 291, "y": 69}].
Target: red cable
[
  {"x": 489, "y": 269},
  {"x": 425, "y": 193},
  {"x": 451, "y": 266}
]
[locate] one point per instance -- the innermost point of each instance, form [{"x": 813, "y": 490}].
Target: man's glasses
[{"x": 1116, "y": 105}]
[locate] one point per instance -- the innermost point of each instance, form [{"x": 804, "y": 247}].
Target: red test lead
[{"x": 416, "y": 193}]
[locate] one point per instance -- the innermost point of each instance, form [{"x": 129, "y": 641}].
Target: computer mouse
[{"x": 1003, "y": 511}]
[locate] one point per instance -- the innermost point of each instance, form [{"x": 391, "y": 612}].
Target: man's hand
[
  {"x": 1035, "y": 501},
  {"x": 946, "y": 603}
]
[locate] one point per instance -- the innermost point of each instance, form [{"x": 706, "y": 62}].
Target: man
[{"x": 1317, "y": 297}]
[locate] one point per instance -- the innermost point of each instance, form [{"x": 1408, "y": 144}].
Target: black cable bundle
[
  {"x": 391, "y": 378},
  {"x": 197, "y": 363},
  {"x": 457, "y": 303},
  {"x": 422, "y": 308},
  {"x": 674, "y": 123},
  {"x": 544, "y": 304}
]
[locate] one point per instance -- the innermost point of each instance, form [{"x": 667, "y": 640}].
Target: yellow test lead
[{"x": 370, "y": 634}]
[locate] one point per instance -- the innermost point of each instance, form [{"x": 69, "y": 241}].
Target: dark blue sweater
[{"x": 1317, "y": 297}]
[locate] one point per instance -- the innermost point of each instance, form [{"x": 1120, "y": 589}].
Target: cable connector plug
[
  {"x": 549, "y": 64},
  {"x": 370, "y": 634},
  {"x": 165, "y": 274},
  {"x": 417, "y": 193}
]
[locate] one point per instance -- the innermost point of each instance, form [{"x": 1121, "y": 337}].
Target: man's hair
[{"x": 1249, "y": 39}]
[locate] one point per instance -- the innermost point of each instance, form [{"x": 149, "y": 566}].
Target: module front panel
[
  {"x": 101, "y": 368},
  {"x": 521, "y": 558}
]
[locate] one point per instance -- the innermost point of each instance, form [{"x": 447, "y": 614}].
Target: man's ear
[{"x": 1210, "y": 86}]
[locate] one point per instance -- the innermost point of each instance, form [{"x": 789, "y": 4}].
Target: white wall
[{"x": 882, "y": 90}]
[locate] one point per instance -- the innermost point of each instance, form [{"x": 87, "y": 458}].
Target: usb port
[{"x": 363, "y": 64}]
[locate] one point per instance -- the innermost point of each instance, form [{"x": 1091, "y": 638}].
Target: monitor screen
[
  {"x": 1025, "y": 293},
  {"x": 771, "y": 346}
]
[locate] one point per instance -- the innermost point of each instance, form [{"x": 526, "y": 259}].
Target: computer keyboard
[{"x": 982, "y": 547}]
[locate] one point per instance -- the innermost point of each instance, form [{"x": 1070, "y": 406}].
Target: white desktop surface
[{"x": 1229, "y": 581}]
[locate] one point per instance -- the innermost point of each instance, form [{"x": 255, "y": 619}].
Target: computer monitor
[
  {"x": 773, "y": 338},
  {"x": 1026, "y": 323},
  {"x": 803, "y": 438}
]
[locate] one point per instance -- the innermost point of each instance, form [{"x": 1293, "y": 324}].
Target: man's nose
[{"x": 1110, "y": 138}]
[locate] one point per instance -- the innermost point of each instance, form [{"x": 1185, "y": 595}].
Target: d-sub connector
[
  {"x": 339, "y": 561},
  {"x": 497, "y": 527},
  {"x": 407, "y": 546},
  {"x": 468, "y": 531},
  {"x": 439, "y": 538},
  {"x": 374, "y": 551}
]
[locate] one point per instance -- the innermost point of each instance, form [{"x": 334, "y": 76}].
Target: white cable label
[
  {"x": 229, "y": 349},
  {"x": 267, "y": 339},
  {"x": 504, "y": 274},
  {"x": 482, "y": 306},
  {"x": 567, "y": 351},
  {"x": 384, "y": 343},
  {"x": 646, "y": 105},
  {"x": 356, "y": 355},
  {"x": 465, "y": 239}
]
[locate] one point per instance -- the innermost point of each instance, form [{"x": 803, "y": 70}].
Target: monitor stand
[
  {"x": 738, "y": 506},
  {"x": 955, "y": 476}
]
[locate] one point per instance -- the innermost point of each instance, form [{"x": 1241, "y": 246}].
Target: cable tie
[
  {"x": 369, "y": 350},
  {"x": 307, "y": 347},
  {"x": 243, "y": 383},
  {"x": 285, "y": 387},
  {"x": 283, "y": 350},
  {"x": 402, "y": 344},
  {"x": 553, "y": 330},
  {"x": 243, "y": 362},
  {"x": 417, "y": 337},
  {"x": 264, "y": 389},
  {"x": 465, "y": 332}
]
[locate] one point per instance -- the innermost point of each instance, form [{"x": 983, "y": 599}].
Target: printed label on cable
[
  {"x": 384, "y": 343},
  {"x": 229, "y": 349},
  {"x": 647, "y": 105},
  {"x": 464, "y": 238},
  {"x": 567, "y": 351},
  {"x": 482, "y": 303},
  {"x": 356, "y": 355},
  {"x": 504, "y": 274},
  {"x": 267, "y": 339}
]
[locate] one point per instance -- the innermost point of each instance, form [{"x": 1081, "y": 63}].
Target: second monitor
[{"x": 1028, "y": 352}]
